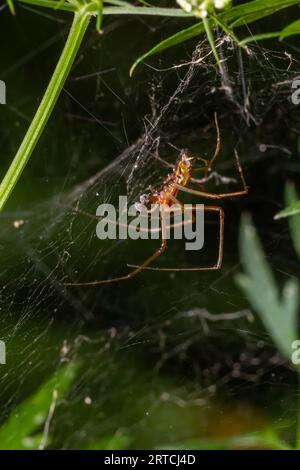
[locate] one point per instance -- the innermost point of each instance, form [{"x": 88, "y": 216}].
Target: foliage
[
  {"x": 278, "y": 312},
  {"x": 23, "y": 429}
]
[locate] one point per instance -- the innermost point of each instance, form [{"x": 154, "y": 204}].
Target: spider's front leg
[{"x": 228, "y": 194}]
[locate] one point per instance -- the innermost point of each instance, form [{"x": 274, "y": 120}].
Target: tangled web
[{"x": 154, "y": 352}]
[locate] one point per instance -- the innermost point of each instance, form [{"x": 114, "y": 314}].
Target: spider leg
[
  {"x": 135, "y": 271},
  {"x": 212, "y": 195},
  {"x": 218, "y": 264},
  {"x": 208, "y": 163},
  {"x": 149, "y": 212},
  {"x": 176, "y": 201},
  {"x": 130, "y": 275},
  {"x": 221, "y": 195},
  {"x": 241, "y": 173},
  {"x": 218, "y": 145}
]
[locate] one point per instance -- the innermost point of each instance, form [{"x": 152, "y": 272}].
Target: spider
[{"x": 167, "y": 194}]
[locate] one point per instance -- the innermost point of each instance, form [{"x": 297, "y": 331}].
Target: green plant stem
[
  {"x": 11, "y": 6},
  {"x": 76, "y": 34},
  {"x": 126, "y": 9},
  {"x": 211, "y": 40}
]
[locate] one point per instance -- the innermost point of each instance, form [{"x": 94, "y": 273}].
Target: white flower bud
[
  {"x": 201, "y": 8},
  {"x": 219, "y": 4}
]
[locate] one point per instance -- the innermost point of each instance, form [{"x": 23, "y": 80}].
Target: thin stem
[
  {"x": 53, "y": 4},
  {"x": 211, "y": 40},
  {"x": 76, "y": 34},
  {"x": 11, "y": 6},
  {"x": 124, "y": 9}
]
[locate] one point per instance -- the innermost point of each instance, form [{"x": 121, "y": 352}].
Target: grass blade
[
  {"x": 292, "y": 202},
  {"x": 16, "y": 432},
  {"x": 292, "y": 198},
  {"x": 11, "y": 6},
  {"x": 178, "y": 38}
]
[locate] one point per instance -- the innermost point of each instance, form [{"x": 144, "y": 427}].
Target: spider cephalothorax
[{"x": 166, "y": 193}]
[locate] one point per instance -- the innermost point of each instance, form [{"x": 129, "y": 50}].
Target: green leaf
[
  {"x": 291, "y": 198},
  {"x": 30, "y": 415},
  {"x": 292, "y": 209},
  {"x": 53, "y": 4},
  {"x": 119, "y": 8},
  {"x": 279, "y": 315},
  {"x": 255, "y": 10},
  {"x": 152, "y": 11},
  {"x": 293, "y": 204},
  {"x": 211, "y": 40},
  {"x": 291, "y": 29},
  {"x": 11, "y": 6},
  {"x": 260, "y": 37},
  {"x": 178, "y": 38},
  {"x": 99, "y": 16}
]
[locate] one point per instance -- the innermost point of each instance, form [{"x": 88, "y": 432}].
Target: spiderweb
[{"x": 157, "y": 356}]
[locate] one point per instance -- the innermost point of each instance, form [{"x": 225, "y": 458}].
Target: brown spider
[{"x": 167, "y": 194}]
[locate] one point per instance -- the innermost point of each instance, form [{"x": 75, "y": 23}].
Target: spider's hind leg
[{"x": 217, "y": 266}]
